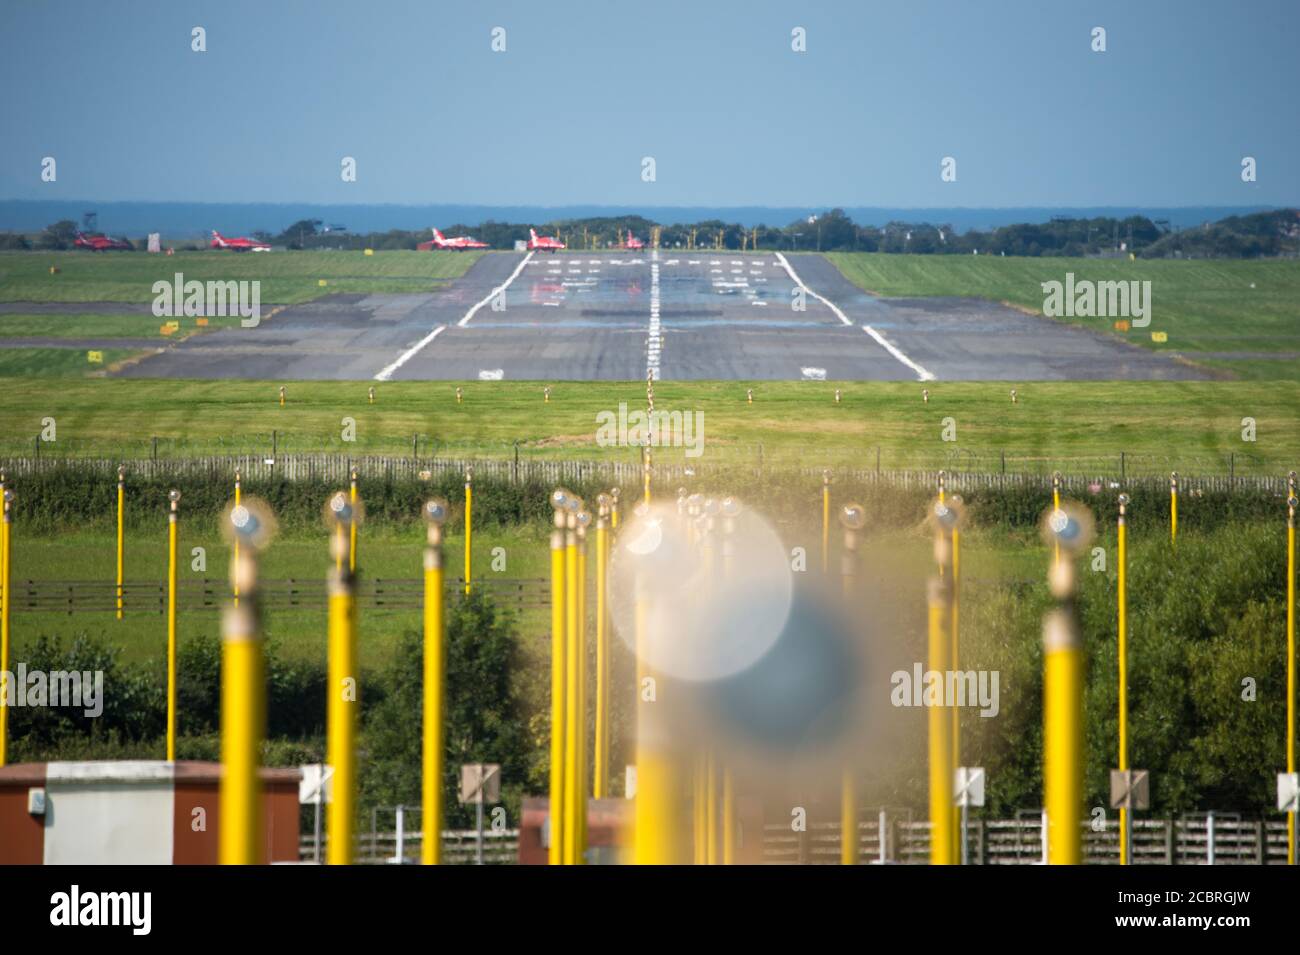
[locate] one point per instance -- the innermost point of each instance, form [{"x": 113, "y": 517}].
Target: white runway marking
[
  {"x": 652, "y": 333},
  {"x": 921, "y": 373},
  {"x": 387, "y": 371},
  {"x": 814, "y": 374},
  {"x": 491, "y": 374},
  {"x": 492, "y": 294}
]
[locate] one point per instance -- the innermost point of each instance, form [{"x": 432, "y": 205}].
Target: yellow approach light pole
[
  {"x": 959, "y": 812},
  {"x": 853, "y": 518},
  {"x": 243, "y": 690},
  {"x": 1069, "y": 527},
  {"x": 613, "y": 509},
  {"x": 234, "y": 557},
  {"x": 944, "y": 517},
  {"x": 575, "y": 722},
  {"x": 1056, "y": 506},
  {"x": 1125, "y": 820},
  {"x": 352, "y": 543},
  {"x": 559, "y": 598},
  {"x": 121, "y": 535},
  {"x": 1173, "y": 507},
  {"x": 1291, "y": 652},
  {"x": 469, "y": 524},
  {"x": 173, "y": 515},
  {"x": 6, "y": 567},
  {"x": 435, "y": 514},
  {"x": 343, "y": 700},
  {"x": 826, "y": 521},
  {"x": 601, "y": 756}
]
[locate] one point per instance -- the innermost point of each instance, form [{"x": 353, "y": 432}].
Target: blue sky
[{"x": 711, "y": 89}]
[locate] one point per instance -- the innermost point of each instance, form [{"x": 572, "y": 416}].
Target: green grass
[
  {"x": 1190, "y": 426},
  {"x": 142, "y": 634},
  {"x": 87, "y": 325},
  {"x": 57, "y": 362},
  {"x": 1206, "y": 307},
  {"x": 286, "y": 277}
]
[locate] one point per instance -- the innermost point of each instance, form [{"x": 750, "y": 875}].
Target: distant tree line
[{"x": 1262, "y": 234}]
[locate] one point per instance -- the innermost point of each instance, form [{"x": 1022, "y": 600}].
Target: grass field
[
  {"x": 286, "y": 277},
  {"x": 57, "y": 362},
  {"x": 1190, "y": 426},
  {"x": 1240, "y": 316}
]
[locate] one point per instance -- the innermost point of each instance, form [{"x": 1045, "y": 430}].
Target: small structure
[{"x": 131, "y": 812}]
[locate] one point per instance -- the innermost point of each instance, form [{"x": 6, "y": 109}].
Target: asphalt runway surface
[{"x": 671, "y": 315}]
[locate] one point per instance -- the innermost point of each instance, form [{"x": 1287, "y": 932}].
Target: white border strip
[
  {"x": 921, "y": 373},
  {"x": 387, "y": 371}
]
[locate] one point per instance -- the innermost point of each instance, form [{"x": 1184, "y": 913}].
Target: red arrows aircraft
[
  {"x": 456, "y": 243},
  {"x": 237, "y": 245},
  {"x": 544, "y": 243},
  {"x": 100, "y": 243},
  {"x": 633, "y": 242}
]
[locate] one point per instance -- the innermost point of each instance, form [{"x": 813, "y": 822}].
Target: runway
[{"x": 671, "y": 315}]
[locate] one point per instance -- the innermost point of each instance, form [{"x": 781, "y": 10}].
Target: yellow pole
[
  {"x": 341, "y": 715},
  {"x": 584, "y": 774},
  {"x": 959, "y": 846},
  {"x": 826, "y": 521},
  {"x": 352, "y": 531},
  {"x": 1063, "y": 694},
  {"x": 1173, "y": 508},
  {"x": 435, "y": 512},
  {"x": 853, "y": 519},
  {"x": 1062, "y": 760},
  {"x": 1123, "y": 669},
  {"x": 234, "y": 558},
  {"x": 601, "y": 756},
  {"x": 173, "y": 515},
  {"x": 121, "y": 536},
  {"x": 572, "y": 675},
  {"x": 243, "y": 699},
  {"x": 941, "y": 835},
  {"x": 613, "y": 509},
  {"x": 1056, "y": 506},
  {"x": 555, "y": 854},
  {"x": 469, "y": 524},
  {"x": 647, "y": 467},
  {"x": 6, "y": 567},
  {"x": 1291, "y": 655},
  {"x": 710, "y": 808}
]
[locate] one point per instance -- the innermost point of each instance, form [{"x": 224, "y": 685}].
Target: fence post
[{"x": 1169, "y": 842}]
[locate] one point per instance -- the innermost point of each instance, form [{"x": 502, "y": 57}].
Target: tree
[{"x": 59, "y": 235}]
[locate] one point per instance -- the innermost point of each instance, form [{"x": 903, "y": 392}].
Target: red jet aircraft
[
  {"x": 237, "y": 245},
  {"x": 545, "y": 243},
  {"x": 100, "y": 243},
  {"x": 456, "y": 243},
  {"x": 633, "y": 242}
]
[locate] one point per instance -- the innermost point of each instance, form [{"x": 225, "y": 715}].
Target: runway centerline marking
[
  {"x": 921, "y": 373},
  {"x": 652, "y": 333},
  {"x": 492, "y": 294}
]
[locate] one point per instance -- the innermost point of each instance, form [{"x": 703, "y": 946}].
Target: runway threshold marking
[
  {"x": 386, "y": 372},
  {"x": 894, "y": 350}
]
